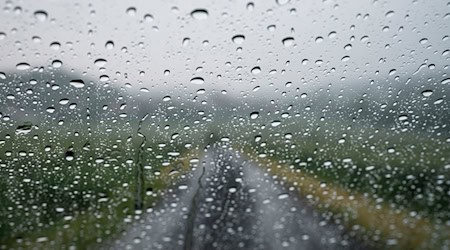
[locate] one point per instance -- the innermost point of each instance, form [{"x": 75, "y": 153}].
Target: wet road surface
[{"x": 231, "y": 203}]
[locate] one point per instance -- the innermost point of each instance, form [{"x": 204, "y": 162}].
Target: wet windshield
[{"x": 274, "y": 124}]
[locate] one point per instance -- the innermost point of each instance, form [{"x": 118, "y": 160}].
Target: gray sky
[{"x": 384, "y": 35}]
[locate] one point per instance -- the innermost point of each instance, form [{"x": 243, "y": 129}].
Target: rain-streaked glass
[{"x": 275, "y": 124}]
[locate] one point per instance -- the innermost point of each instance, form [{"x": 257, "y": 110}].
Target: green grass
[{"x": 52, "y": 201}]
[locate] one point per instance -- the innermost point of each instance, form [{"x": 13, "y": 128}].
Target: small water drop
[
  {"x": 104, "y": 78},
  {"x": 199, "y": 14},
  {"x": 390, "y": 13},
  {"x": 423, "y": 40},
  {"x": 427, "y": 92},
  {"x": 186, "y": 41},
  {"x": 282, "y": 2},
  {"x": 77, "y": 83},
  {"x": 22, "y": 66},
  {"x": 64, "y": 101},
  {"x": 332, "y": 34},
  {"x": 275, "y": 123},
  {"x": 256, "y": 70},
  {"x": 131, "y": 11},
  {"x": 238, "y": 39},
  {"x": 403, "y": 118},
  {"x": 109, "y": 44},
  {"x": 445, "y": 81},
  {"x": 100, "y": 62},
  {"x": 50, "y": 110},
  {"x": 69, "y": 155},
  {"x": 283, "y": 196},
  {"x": 55, "y": 45},
  {"x": 345, "y": 58},
  {"x": 271, "y": 27},
  {"x": 288, "y": 41},
  {"x": 250, "y": 6},
  {"x": 197, "y": 80},
  {"x": 24, "y": 128},
  {"x": 57, "y": 64},
  {"x": 148, "y": 18},
  {"x": 254, "y": 115},
  {"x": 438, "y": 101},
  {"x": 40, "y": 15}
]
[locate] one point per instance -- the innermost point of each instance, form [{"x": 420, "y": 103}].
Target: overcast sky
[{"x": 380, "y": 36}]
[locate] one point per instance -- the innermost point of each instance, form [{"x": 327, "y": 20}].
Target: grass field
[{"x": 64, "y": 189}]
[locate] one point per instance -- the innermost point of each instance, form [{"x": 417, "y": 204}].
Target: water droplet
[
  {"x": 403, "y": 118},
  {"x": 390, "y": 13},
  {"x": 282, "y": 2},
  {"x": 271, "y": 27},
  {"x": 166, "y": 98},
  {"x": 275, "y": 123},
  {"x": 50, "y": 110},
  {"x": 254, "y": 115},
  {"x": 238, "y": 39},
  {"x": 24, "y": 128},
  {"x": 283, "y": 196},
  {"x": 22, "y": 66},
  {"x": 64, "y": 101},
  {"x": 148, "y": 17},
  {"x": 55, "y": 45},
  {"x": 445, "y": 81},
  {"x": 69, "y": 155},
  {"x": 345, "y": 58},
  {"x": 199, "y": 14},
  {"x": 423, "y": 40},
  {"x": 332, "y": 34},
  {"x": 40, "y": 15},
  {"x": 197, "y": 80},
  {"x": 348, "y": 47},
  {"x": 319, "y": 39},
  {"x": 250, "y": 6},
  {"x": 109, "y": 44},
  {"x": 438, "y": 101},
  {"x": 427, "y": 92},
  {"x": 100, "y": 62},
  {"x": 57, "y": 64},
  {"x": 186, "y": 41},
  {"x": 256, "y": 70},
  {"x": 77, "y": 83},
  {"x": 131, "y": 11},
  {"x": 104, "y": 78},
  {"x": 288, "y": 41}
]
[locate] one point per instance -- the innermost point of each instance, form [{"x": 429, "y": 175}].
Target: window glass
[{"x": 275, "y": 124}]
